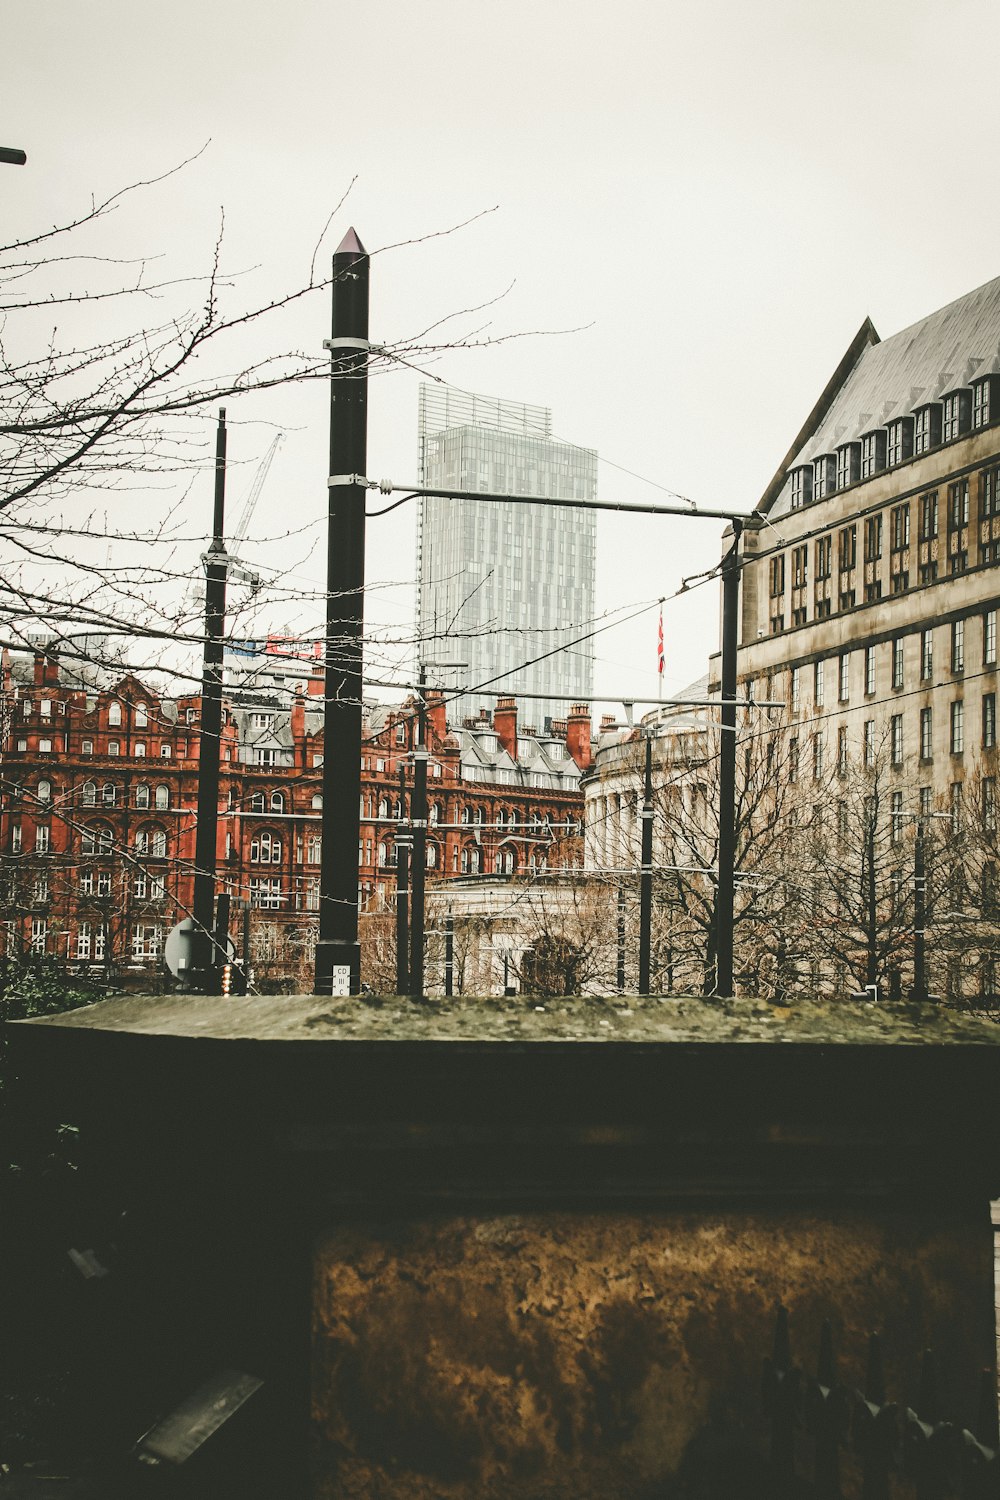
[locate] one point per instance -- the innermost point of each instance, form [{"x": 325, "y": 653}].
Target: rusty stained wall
[{"x": 570, "y": 1356}]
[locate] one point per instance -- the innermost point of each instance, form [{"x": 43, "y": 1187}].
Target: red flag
[{"x": 659, "y": 647}]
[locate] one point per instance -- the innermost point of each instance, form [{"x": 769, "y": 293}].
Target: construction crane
[{"x": 250, "y": 505}]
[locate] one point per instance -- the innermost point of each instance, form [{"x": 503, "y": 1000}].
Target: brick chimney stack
[
  {"x": 578, "y": 734},
  {"x": 39, "y": 669},
  {"x": 298, "y": 727},
  {"x": 52, "y": 668},
  {"x": 505, "y": 725},
  {"x": 436, "y": 717}
]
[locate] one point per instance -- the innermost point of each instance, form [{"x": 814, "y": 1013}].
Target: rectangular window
[
  {"x": 869, "y": 742},
  {"x": 990, "y": 638},
  {"x": 989, "y": 493},
  {"x": 39, "y": 934},
  {"x": 87, "y": 747},
  {"x": 819, "y": 683},
  {"x": 147, "y": 940},
  {"x": 900, "y": 444},
  {"x": 989, "y": 803},
  {"x": 842, "y": 750},
  {"x": 958, "y": 645},
  {"x": 928, "y": 516},
  {"x": 777, "y": 575},
  {"x": 896, "y": 738},
  {"x": 45, "y": 708},
  {"x": 847, "y": 548},
  {"x": 848, "y": 465},
  {"x": 801, "y": 487},
  {"x": 897, "y": 817},
  {"x": 955, "y": 806},
  {"x": 869, "y": 669},
  {"x": 83, "y": 940},
  {"x": 926, "y": 734},
  {"x": 957, "y": 411},
  {"x": 872, "y": 454},
  {"x": 981, "y": 403},
  {"x": 818, "y": 755},
  {"x": 873, "y": 538},
  {"x": 897, "y": 662},
  {"x": 958, "y": 505},
  {"x": 927, "y": 428},
  {"x": 800, "y": 561},
  {"x": 926, "y": 655},
  {"x": 265, "y": 895},
  {"x": 989, "y": 721},
  {"x": 42, "y": 836},
  {"x": 114, "y": 748},
  {"x": 140, "y": 750},
  {"x": 45, "y": 747},
  {"x": 844, "y": 678},
  {"x": 164, "y": 752},
  {"x": 824, "y": 475},
  {"x": 957, "y": 727},
  {"x": 824, "y": 556},
  {"x": 793, "y": 759},
  {"x": 900, "y": 528},
  {"x": 796, "y": 688}
]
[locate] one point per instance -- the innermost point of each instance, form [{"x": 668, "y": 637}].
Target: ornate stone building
[{"x": 99, "y": 791}]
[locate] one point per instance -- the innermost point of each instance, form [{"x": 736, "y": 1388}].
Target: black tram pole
[
  {"x": 338, "y": 953},
  {"x": 402, "y": 892},
  {"x": 919, "y": 991},
  {"x": 449, "y": 953},
  {"x": 646, "y": 874},
  {"x": 727, "y": 770},
  {"x": 203, "y": 973}
]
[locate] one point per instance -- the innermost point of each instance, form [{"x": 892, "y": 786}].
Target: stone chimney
[
  {"x": 578, "y": 734},
  {"x": 298, "y": 727},
  {"x": 505, "y": 725}
]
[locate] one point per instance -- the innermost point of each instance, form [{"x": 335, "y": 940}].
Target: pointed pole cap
[{"x": 350, "y": 244}]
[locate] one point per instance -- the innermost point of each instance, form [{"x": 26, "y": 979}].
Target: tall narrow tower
[{"x": 500, "y": 585}]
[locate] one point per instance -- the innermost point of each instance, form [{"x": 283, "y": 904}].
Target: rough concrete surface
[
  {"x": 571, "y": 1356},
  {"x": 521, "y": 1019}
]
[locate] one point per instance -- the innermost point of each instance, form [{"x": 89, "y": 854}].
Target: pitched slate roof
[{"x": 879, "y": 380}]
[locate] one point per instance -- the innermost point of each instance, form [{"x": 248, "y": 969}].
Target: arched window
[
  {"x": 141, "y": 716},
  {"x": 265, "y": 849},
  {"x": 277, "y": 802},
  {"x": 383, "y": 854},
  {"x": 162, "y": 797},
  {"x": 114, "y": 715},
  {"x": 44, "y": 791},
  {"x": 475, "y": 861},
  {"x": 431, "y": 857},
  {"x": 159, "y": 849},
  {"x": 257, "y": 802},
  {"x": 142, "y": 795},
  {"x": 508, "y": 861},
  {"x": 89, "y": 794},
  {"x": 502, "y": 817},
  {"x": 97, "y": 838},
  {"x": 109, "y": 794},
  {"x": 317, "y": 802},
  {"x": 383, "y": 807}
]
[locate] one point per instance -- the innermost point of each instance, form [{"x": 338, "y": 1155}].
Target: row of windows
[
  {"x": 899, "y": 541},
  {"x": 957, "y": 659},
  {"x": 896, "y": 744},
  {"x": 886, "y": 447},
  {"x": 146, "y": 940}
]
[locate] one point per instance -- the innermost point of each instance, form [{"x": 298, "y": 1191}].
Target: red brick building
[{"x": 99, "y": 791}]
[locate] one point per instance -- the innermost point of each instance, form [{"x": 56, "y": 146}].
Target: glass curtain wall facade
[{"x": 501, "y": 584}]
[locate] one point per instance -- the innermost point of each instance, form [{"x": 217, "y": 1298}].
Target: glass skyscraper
[{"x": 503, "y": 586}]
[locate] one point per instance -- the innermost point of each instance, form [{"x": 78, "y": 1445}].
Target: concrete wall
[{"x": 587, "y": 1355}]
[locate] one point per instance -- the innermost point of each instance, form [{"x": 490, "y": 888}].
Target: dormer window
[
  {"x": 824, "y": 475},
  {"x": 983, "y": 401},
  {"x": 873, "y": 453},
  {"x": 848, "y": 465},
  {"x": 927, "y": 427},
  {"x": 957, "y": 414},
  {"x": 900, "y": 441},
  {"x": 802, "y": 486}
]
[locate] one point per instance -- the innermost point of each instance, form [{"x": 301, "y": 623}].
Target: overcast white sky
[{"x": 715, "y": 194}]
